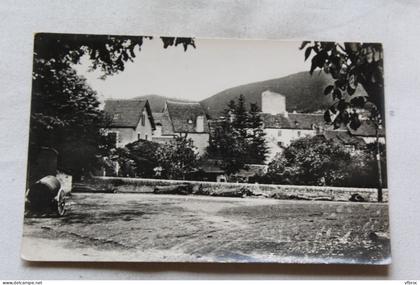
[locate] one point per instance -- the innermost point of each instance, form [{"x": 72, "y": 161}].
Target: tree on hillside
[
  {"x": 65, "y": 113},
  {"x": 351, "y": 64}
]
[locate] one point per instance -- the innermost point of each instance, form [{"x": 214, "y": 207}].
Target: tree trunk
[{"x": 378, "y": 163}]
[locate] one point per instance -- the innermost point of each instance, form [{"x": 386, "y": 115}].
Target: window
[
  {"x": 113, "y": 138},
  {"x": 143, "y": 119},
  {"x": 145, "y": 137},
  {"x": 117, "y": 116},
  {"x": 279, "y": 133},
  {"x": 138, "y": 136}
]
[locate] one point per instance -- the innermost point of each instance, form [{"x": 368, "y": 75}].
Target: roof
[
  {"x": 343, "y": 136},
  {"x": 275, "y": 121},
  {"x": 298, "y": 121},
  {"x": 306, "y": 121},
  {"x": 127, "y": 113},
  {"x": 367, "y": 129},
  {"x": 164, "y": 120},
  {"x": 183, "y": 116}
]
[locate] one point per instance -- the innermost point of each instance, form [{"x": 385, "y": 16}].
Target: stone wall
[{"x": 140, "y": 185}]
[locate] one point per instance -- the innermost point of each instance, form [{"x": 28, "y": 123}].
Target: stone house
[
  {"x": 281, "y": 127},
  {"x": 182, "y": 118},
  {"x": 130, "y": 120}
]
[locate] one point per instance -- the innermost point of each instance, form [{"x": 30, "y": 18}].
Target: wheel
[{"x": 60, "y": 203}]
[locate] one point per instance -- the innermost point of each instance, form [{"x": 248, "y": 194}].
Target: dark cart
[{"x": 45, "y": 196}]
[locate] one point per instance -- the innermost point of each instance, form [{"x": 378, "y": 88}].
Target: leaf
[
  {"x": 358, "y": 102},
  {"x": 354, "y": 121},
  {"x": 328, "y": 89},
  {"x": 342, "y": 105},
  {"x": 304, "y": 43},
  {"x": 318, "y": 60},
  {"x": 351, "y": 84},
  {"x": 167, "y": 41},
  {"x": 344, "y": 117},
  {"x": 336, "y": 94},
  {"x": 327, "y": 116},
  {"x": 308, "y": 52},
  {"x": 315, "y": 63}
]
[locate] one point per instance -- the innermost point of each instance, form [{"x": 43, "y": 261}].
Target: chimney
[
  {"x": 199, "y": 127},
  {"x": 273, "y": 103}
]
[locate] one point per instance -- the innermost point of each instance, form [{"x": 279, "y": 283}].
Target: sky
[{"x": 198, "y": 73}]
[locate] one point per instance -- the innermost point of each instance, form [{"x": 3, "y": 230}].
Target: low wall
[{"x": 140, "y": 185}]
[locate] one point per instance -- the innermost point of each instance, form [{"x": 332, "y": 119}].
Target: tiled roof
[
  {"x": 367, "y": 129},
  {"x": 305, "y": 121},
  {"x": 164, "y": 120},
  {"x": 184, "y": 116},
  {"x": 292, "y": 121},
  {"x": 126, "y": 113},
  {"x": 343, "y": 136},
  {"x": 275, "y": 121}
]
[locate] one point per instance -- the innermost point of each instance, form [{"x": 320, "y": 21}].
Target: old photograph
[{"x": 180, "y": 149}]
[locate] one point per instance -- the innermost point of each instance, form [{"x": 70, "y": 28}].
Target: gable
[
  {"x": 184, "y": 116},
  {"x": 164, "y": 121},
  {"x": 127, "y": 113},
  {"x": 124, "y": 113}
]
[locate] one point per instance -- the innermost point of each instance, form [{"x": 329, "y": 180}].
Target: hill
[
  {"x": 157, "y": 102},
  {"x": 304, "y": 93}
]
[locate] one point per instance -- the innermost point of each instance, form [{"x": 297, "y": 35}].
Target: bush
[{"x": 319, "y": 161}]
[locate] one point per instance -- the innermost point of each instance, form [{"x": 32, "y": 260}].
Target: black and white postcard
[{"x": 179, "y": 149}]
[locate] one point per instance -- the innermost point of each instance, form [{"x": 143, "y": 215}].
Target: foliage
[
  {"x": 64, "y": 112},
  {"x": 224, "y": 145},
  {"x": 141, "y": 159},
  {"x": 350, "y": 64},
  {"x": 107, "y": 53},
  {"x": 318, "y": 161},
  {"x": 257, "y": 148},
  {"x": 177, "y": 158},
  {"x": 65, "y": 116},
  {"x": 310, "y": 161},
  {"x": 137, "y": 159},
  {"x": 238, "y": 138}
]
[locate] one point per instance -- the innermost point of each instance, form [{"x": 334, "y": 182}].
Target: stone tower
[{"x": 273, "y": 103}]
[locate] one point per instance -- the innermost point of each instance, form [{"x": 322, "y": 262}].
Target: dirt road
[{"x": 147, "y": 227}]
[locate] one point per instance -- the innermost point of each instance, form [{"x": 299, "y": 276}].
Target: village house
[
  {"x": 281, "y": 127},
  {"x": 182, "y": 119},
  {"x": 130, "y": 120}
]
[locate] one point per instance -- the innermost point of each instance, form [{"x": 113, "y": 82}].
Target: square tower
[{"x": 273, "y": 103}]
